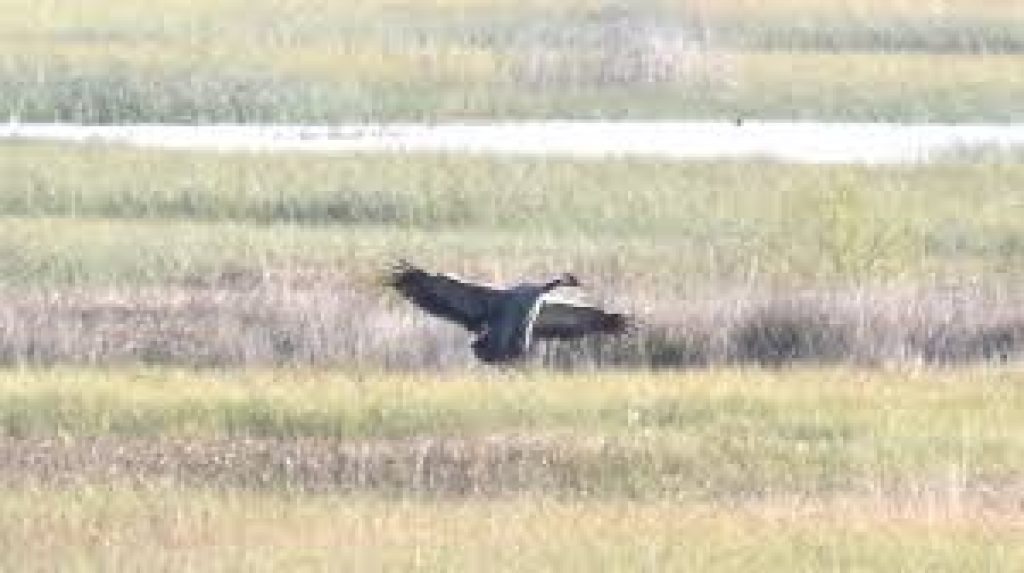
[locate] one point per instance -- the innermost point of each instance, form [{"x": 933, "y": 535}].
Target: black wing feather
[
  {"x": 444, "y": 296},
  {"x": 567, "y": 320}
]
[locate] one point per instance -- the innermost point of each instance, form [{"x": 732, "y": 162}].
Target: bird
[{"x": 506, "y": 320}]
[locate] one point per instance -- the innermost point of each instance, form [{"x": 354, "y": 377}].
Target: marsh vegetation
[
  {"x": 201, "y": 370},
  {"x": 256, "y": 260}
]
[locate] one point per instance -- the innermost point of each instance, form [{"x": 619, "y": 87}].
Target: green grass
[
  {"x": 719, "y": 471},
  {"x": 328, "y": 62},
  {"x": 868, "y": 424},
  {"x": 432, "y": 191},
  {"x": 69, "y": 211},
  {"x": 222, "y": 258},
  {"x": 355, "y": 404}
]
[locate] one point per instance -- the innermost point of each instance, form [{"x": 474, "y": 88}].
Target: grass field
[
  {"x": 200, "y": 369},
  {"x": 257, "y": 259},
  {"x": 722, "y": 470},
  {"x": 279, "y": 60},
  {"x": 170, "y": 530},
  {"x": 69, "y": 210}
]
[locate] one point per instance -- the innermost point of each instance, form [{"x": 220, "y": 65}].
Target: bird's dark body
[
  {"x": 487, "y": 349},
  {"x": 505, "y": 320},
  {"x": 509, "y": 327}
]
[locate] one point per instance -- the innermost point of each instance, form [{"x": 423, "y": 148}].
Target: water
[{"x": 811, "y": 142}]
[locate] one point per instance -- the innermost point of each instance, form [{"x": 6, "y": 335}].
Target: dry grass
[
  {"x": 175, "y": 530},
  {"x": 724, "y": 471},
  {"x": 256, "y": 260},
  {"x": 729, "y": 434},
  {"x": 271, "y": 322},
  {"x": 243, "y": 259},
  {"x": 719, "y": 471},
  {"x": 562, "y": 465}
]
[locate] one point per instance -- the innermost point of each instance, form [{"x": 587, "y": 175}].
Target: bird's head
[
  {"x": 568, "y": 280},
  {"x": 562, "y": 280}
]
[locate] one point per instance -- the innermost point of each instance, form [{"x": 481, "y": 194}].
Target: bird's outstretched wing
[
  {"x": 443, "y": 295},
  {"x": 567, "y": 319}
]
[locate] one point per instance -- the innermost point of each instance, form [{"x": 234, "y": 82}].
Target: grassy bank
[{"x": 275, "y": 60}]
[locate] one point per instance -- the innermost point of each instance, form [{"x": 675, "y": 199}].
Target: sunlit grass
[
  {"x": 60, "y": 252},
  {"x": 70, "y": 211},
  {"x": 182, "y": 530},
  {"x": 719, "y": 471},
  {"x": 637, "y": 196},
  {"x": 926, "y": 417},
  {"x": 941, "y": 397}
]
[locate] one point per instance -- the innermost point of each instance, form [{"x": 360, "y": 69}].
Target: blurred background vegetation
[{"x": 367, "y": 60}]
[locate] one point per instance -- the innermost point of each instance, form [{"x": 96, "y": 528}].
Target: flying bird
[{"x": 506, "y": 320}]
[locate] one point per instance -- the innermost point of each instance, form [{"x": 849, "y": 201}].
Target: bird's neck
[{"x": 552, "y": 284}]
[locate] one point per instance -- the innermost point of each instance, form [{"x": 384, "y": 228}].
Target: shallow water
[{"x": 811, "y": 142}]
